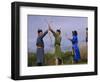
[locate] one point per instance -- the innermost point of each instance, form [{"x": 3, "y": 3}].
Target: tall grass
[
  {"x": 50, "y": 59},
  {"x": 67, "y": 57},
  {"x": 84, "y": 52}
]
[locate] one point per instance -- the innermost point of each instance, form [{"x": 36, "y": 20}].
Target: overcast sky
[{"x": 65, "y": 23}]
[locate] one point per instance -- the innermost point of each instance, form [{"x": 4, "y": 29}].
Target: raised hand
[{"x": 49, "y": 27}]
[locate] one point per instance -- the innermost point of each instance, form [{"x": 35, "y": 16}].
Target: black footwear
[
  {"x": 59, "y": 61},
  {"x": 39, "y": 64}
]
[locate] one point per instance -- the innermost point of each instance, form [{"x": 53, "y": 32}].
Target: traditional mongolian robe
[
  {"x": 57, "y": 44},
  {"x": 40, "y": 48},
  {"x": 75, "y": 48}
]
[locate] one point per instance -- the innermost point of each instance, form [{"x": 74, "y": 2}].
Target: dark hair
[
  {"x": 58, "y": 31},
  {"x": 74, "y": 32},
  {"x": 39, "y": 30},
  {"x": 86, "y": 28}
]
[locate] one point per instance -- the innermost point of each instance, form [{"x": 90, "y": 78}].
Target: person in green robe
[{"x": 57, "y": 45}]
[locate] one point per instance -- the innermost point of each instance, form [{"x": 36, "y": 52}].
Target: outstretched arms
[{"x": 53, "y": 32}]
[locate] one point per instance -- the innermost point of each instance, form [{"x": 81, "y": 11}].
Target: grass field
[{"x": 67, "y": 58}]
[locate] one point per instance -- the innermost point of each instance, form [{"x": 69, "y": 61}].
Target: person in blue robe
[
  {"x": 75, "y": 47},
  {"x": 40, "y": 47}
]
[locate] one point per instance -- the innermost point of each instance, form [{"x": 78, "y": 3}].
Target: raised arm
[
  {"x": 53, "y": 32},
  {"x": 44, "y": 33}
]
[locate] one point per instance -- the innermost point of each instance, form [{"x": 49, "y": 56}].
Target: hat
[
  {"x": 39, "y": 30},
  {"x": 74, "y": 32},
  {"x": 58, "y": 30}
]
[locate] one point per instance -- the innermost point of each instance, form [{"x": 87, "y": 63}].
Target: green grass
[
  {"x": 67, "y": 58},
  {"x": 31, "y": 59}
]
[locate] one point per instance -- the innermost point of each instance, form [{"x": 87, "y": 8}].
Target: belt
[
  {"x": 39, "y": 47},
  {"x": 57, "y": 44}
]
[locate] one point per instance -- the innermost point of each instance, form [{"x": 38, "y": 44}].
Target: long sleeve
[
  {"x": 54, "y": 34},
  {"x": 44, "y": 33},
  {"x": 74, "y": 40}
]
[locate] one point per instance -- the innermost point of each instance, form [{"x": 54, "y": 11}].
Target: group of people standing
[{"x": 57, "y": 45}]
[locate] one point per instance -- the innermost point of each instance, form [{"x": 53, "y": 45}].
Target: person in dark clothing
[
  {"x": 86, "y": 35},
  {"x": 40, "y": 47}
]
